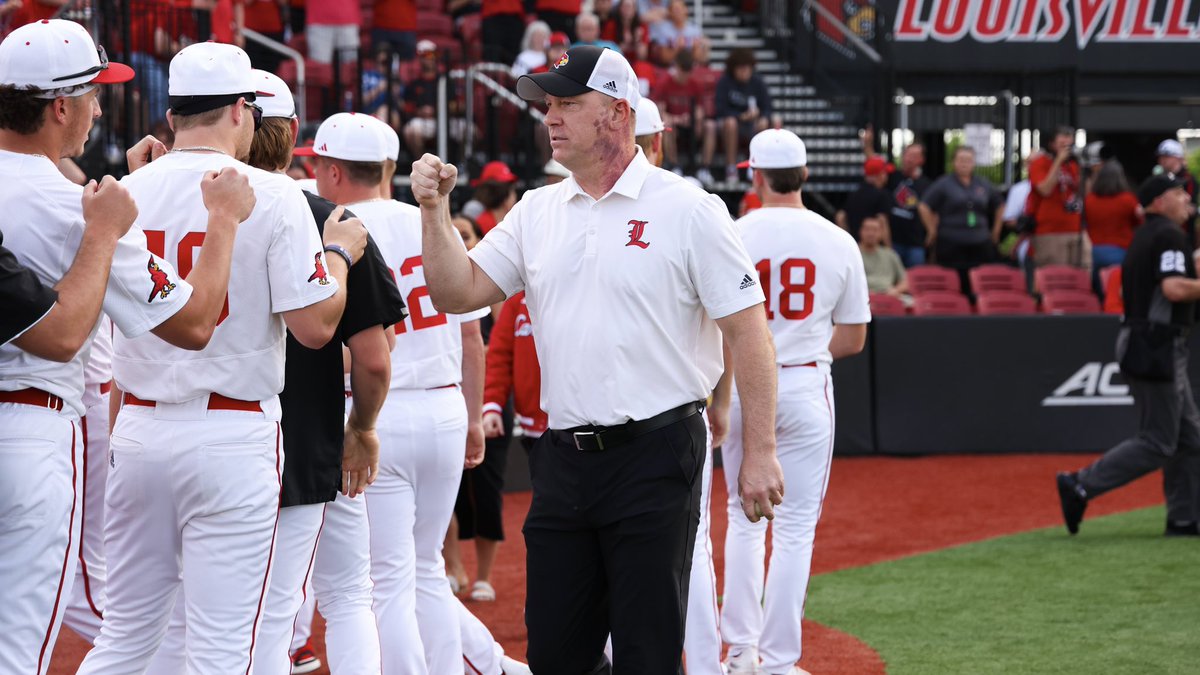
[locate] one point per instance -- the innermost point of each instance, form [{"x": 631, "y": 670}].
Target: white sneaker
[
  {"x": 742, "y": 661},
  {"x": 510, "y": 666},
  {"x": 796, "y": 670},
  {"x": 704, "y": 175}
]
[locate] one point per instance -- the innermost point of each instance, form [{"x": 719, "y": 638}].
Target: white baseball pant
[
  {"x": 295, "y": 548},
  {"x": 702, "y": 632},
  {"x": 193, "y": 497},
  {"x": 341, "y": 582},
  {"x": 481, "y": 653},
  {"x": 422, "y": 441},
  {"x": 302, "y": 630},
  {"x": 39, "y": 530},
  {"x": 804, "y": 439},
  {"x": 86, "y": 608}
]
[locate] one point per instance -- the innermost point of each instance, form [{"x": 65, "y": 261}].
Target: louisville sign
[{"x": 1046, "y": 21}]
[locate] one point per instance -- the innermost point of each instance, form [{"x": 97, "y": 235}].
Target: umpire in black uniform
[{"x": 1160, "y": 290}]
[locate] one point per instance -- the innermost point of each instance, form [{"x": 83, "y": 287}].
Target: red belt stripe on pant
[{"x": 215, "y": 402}]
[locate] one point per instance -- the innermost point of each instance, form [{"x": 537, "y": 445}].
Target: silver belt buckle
[{"x": 575, "y": 436}]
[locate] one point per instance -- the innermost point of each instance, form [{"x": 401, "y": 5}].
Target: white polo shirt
[{"x": 622, "y": 291}]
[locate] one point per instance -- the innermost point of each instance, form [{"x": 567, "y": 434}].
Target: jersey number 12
[{"x": 796, "y": 277}]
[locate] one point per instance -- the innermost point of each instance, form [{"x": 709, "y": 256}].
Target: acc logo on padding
[{"x": 1090, "y": 385}]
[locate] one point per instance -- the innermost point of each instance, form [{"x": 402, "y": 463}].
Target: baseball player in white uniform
[
  {"x": 423, "y": 428},
  {"x": 812, "y": 274},
  {"x": 49, "y": 72},
  {"x": 194, "y": 474},
  {"x": 86, "y": 607}
]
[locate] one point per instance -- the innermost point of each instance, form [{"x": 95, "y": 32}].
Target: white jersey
[
  {"x": 278, "y": 266},
  {"x": 812, "y": 274},
  {"x": 99, "y": 364},
  {"x": 428, "y": 350},
  {"x": 43, "y": 228}
]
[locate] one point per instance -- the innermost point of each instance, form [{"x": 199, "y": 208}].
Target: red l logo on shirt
[{"x": 635, "y": 233}]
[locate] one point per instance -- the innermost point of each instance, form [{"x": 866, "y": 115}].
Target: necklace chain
[{"x": 201, "y": 148}]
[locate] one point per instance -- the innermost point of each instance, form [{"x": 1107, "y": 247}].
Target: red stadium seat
[
  {"x": 996, "y": 303},
  {"x": 1110, "y": 279},
  {"x": 435, "y": 6},
  {"x": 941, "y": 303},
  {"x": 1061, "y": 278},
  {"x": 996, "y": 277},
  {"x": 1070, "y": 302},
  {"x": 883, "y": 304},
  {"x": 933, "y": 278},
  {"x": 430, "y": 24}
]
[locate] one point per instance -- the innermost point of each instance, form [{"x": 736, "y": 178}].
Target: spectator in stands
[
  {"x": 420, "y": 104},
  {"x": 963, "y": 214},
  {"x": 468, "y": 228},
  {"x": 1013, "y": 242},
  {"x": 869, "y": 200},
  {"x": 297, "y": 15},
  {"x": 496, "y": 189},
  {"x": 395, "y": 24},
  {"x": 503, "y": 26},
  {"x": 21, "y": 12},
  {"x": 266, "y": 17},
  {"x": 533, "y": 49},
  {"x": 333, "y": 26},
  {"x": 652, "y": 11},
  {"x": 1112, "y": 212},
  {"x": 681, "y": 100},
  {"x": 885, "y": 272},
  {"x": 1056, "y": 205},
  {"x": 158, "y": 29},
  {"x": 750, "y": 202},
  {"x": 705, "y": 74},
  {"x": 676, "y": 33},
  {"x": 375, "y": 99},
  {"x": 743, "y": 108},
  {"x": 626, "y": 29},
  {"x": 1171, "y": 159},
  {"x": 587, "y": 32},
  {"x": 559, "y": 14},
  {"x": 908, "y": 185}
]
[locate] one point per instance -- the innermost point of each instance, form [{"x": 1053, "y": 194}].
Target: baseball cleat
[
  {"x": 304, "y": 660},
  {"x": 510, "y": 666},
  {"x": 742, "y": 661},
  {"x": 1073, "y": 499}
]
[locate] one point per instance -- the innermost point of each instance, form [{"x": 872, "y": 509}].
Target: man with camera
[{"x": 1056, "y": 203}]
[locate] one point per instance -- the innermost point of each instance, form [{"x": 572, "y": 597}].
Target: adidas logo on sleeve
[{"x": 747, "y": 282}]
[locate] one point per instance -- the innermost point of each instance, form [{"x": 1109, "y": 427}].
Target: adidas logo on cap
[
  {"x": 747, "y": 282},
  {"x": 611, "y": 85}
]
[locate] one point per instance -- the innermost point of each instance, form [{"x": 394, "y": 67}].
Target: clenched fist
[
  {"x": 109, "y": 207},
  {"x": 228, "y": 194},
  {"x": 432, "y": 180}
]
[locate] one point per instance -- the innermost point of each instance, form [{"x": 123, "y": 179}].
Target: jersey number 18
[{"x": 796, "y": 295}]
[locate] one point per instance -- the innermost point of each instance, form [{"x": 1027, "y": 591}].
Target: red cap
[
  {"x": 496, "y": 172},
  {"x": 559, "y": 39},
  {"x": 876, "y": 165}
]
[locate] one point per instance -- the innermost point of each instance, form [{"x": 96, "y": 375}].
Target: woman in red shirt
[
  {"x": 496, "y": 190},
  {"x": 1111, "y": 211}
]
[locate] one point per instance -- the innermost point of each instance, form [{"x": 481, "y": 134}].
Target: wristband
[{"x": 334, "y": 248}]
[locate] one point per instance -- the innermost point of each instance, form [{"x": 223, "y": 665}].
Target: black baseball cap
[
  {"x": 1155, "y": 186},
  {"x": 581, "y": 69}
]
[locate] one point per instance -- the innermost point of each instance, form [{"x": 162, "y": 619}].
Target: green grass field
[{"x": 1117, "y": 598}]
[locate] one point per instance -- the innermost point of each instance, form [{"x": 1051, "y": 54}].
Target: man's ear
[
  {"x": 58, "y": 109},
  {"x": 171, "y": 120}
]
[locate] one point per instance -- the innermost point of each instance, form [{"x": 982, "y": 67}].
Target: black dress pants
[{"x": 609, "y": 541}]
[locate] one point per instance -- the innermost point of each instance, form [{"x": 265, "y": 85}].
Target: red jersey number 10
[
  {"x": 796, "y": 278},
  {"x": 185, "y": 253}
]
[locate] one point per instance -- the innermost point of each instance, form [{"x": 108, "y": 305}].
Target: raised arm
[
  {"x": 313, "y": 326},
  {"x": 760, "y": 484},
  {"x": 108, "y": 213},
  {"x": 456, "y": 284}
]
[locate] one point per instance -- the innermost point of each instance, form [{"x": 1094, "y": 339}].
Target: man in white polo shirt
[
  {"x": 813, "y": 275},
  {"x": 628, "y": 271}
]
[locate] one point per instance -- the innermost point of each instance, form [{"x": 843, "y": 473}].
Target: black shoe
[
  {"x": 1073, "y": 499},
  {"x": 1182, "y": 528}
]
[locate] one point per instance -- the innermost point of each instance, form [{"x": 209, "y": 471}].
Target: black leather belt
[{"x": 598, "y": 439}]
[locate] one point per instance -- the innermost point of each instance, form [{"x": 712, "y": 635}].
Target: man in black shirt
[
  {"x": 1160, "y": 290},
  {"x": 908, "y": 187},
  {"x": 870, "y": 200}
]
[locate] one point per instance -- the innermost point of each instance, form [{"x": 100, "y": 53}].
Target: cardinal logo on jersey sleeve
[
  {"x": 636, "y": 230},
  {"x": 162, "y": 283},
  {"x": 319, "y": 275}
]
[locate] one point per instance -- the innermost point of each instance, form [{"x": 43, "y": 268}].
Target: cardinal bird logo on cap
[
  {"x": 162, "y": 283},
  {"x": 562, "y": 60},
  {"x": 319, "y": 275}
]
